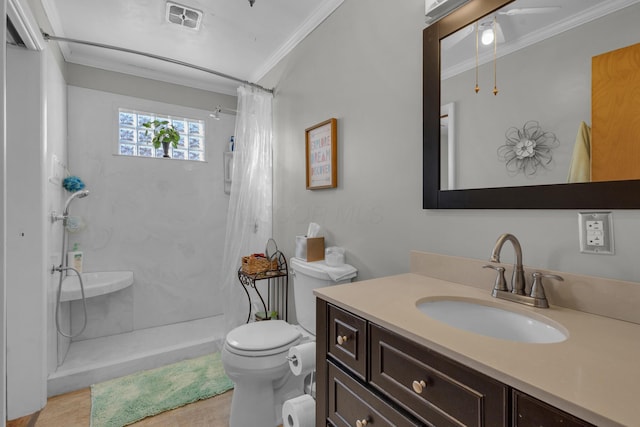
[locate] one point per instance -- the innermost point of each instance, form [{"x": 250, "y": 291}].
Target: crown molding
[{"x": 319, "y": 15}]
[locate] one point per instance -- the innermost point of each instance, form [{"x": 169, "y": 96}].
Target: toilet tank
[{"x": 308, "y": 276}]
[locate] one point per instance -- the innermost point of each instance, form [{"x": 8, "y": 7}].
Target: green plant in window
[{"x": 163, "y": 132}]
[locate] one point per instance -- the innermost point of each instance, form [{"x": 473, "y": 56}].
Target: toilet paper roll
[
  {"x": 299, "y": 412},
  {"x": 302, "y": 358}
]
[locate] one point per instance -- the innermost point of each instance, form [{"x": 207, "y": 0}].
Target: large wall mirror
[{"x": 546, "y": 102}]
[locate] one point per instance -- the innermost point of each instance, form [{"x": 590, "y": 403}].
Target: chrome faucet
[
  {"x": 517, "y": 279},
  {"x": 537, "y": 297}
]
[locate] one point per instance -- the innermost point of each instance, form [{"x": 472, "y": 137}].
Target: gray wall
[
  {"x": 363, "y": 65},
  {"x": 154, "y": 90}
]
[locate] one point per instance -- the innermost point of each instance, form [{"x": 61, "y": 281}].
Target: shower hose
[{"x": 62, "y": 269}]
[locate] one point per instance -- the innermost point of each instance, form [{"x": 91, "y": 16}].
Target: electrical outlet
[{"x": 596, "y": 232}]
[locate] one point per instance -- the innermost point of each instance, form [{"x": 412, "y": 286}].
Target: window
[{"x": 132, "y": 140}]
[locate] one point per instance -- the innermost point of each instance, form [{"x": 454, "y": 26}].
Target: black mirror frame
[{"x": 592, "y": 195}]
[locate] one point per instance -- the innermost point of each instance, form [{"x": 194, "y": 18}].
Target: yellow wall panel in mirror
[{"x": 615, "y": 106}]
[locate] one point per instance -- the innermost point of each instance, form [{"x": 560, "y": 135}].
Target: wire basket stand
[{"x": 275, "y": 271}]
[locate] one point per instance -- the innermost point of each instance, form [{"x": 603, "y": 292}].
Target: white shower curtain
[{"x": 249, "y": 219}]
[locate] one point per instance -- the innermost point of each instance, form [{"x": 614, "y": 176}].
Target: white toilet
[{"x": 255, "y": 355}]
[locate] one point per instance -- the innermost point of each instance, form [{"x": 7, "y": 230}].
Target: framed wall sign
[{"x": 322, "y": 155}]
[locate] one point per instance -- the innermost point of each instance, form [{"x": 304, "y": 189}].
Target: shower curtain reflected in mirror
[{"x": 249, "y": 218}]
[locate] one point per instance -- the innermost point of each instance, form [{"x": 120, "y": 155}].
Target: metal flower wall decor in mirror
[{"x": 527, "y": 149}]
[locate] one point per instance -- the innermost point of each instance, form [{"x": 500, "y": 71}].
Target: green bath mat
[{"x": 125, "y": 400}]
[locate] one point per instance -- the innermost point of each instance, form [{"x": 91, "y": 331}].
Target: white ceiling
[
  {"x": 246, "y": 42},
  {"x": 234, "y": 38}
]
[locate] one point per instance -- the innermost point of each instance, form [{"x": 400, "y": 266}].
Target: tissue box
[{"x": 310, "y": 248}]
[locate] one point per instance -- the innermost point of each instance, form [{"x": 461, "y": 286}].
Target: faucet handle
[
  {"x": 537, "y": 289},
  {"x": 501, "y": 283}
]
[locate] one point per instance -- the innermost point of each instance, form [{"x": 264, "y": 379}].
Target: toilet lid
[{"x": 265, "y": 335}]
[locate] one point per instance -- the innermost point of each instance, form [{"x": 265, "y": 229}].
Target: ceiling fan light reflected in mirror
[
  {"x": 489, "y": 28},
  {"x": 491, "y": 31},
  {"x": 487, "y": 36}
]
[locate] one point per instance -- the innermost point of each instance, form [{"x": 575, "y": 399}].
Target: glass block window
[{"x": 132, "y": 140}]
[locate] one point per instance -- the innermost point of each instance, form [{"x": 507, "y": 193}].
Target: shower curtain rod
[{"x": 47, "y": 37}]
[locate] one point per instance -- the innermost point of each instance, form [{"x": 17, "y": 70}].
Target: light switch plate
[{"x": 596, "y": 232}]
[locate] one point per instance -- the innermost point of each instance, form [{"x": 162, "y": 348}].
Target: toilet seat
[{"x": 262, "y": 338}]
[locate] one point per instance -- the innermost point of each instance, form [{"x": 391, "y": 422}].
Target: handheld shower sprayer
[
  {"x": 78, "y": 194},
  {"x": 62, "y": 268},
  {"x": 65, "y": 213}
]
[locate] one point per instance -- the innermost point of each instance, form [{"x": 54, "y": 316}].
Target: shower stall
[{"x": 162, "y": 219}]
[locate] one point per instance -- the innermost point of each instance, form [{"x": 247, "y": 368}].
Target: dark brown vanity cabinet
[
  {"x": 347, "y": 340},
  {"x": 435, "y": 389},
  {"x": 351, "y": 403},
  {"x": 530, "y": 412},
  {"x": 370, "y": 376}
]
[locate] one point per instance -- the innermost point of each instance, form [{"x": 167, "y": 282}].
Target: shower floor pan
[{"x": 100, "y": 359}]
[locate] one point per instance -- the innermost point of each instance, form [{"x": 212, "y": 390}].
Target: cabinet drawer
[
  {"x": 530, "y": 412},
  {"x": 350, "y": 402},
  {"x": 347, "y": 340},
  {"x": 436, "y": 389}
]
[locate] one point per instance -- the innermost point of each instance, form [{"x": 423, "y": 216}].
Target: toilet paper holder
[{"x": 293, "y": 359}]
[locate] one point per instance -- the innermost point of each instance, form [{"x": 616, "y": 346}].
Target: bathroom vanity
[{"x": 381, "y": 361}]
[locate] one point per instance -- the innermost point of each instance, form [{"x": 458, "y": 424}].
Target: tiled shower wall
[{"x": 163, "y": 219}]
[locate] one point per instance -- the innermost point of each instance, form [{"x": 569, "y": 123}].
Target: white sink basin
[
  {"x": 474, "y": 316},
  {"x": 97, "y": 283}
]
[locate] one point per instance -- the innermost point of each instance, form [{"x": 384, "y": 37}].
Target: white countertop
[{"x": 594, "y": 374}]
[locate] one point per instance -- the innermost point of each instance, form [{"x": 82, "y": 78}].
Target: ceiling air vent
[{"x": 183, "y": 15}]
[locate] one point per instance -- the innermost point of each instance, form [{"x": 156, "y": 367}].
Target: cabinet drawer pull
[
  {"x": 361, "y": 423},
  {"x": 418, "y": 386},
  {"x": 341, "y": 340}
]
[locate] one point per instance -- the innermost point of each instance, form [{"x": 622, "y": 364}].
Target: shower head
[{"x": 79, "y": 194}]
